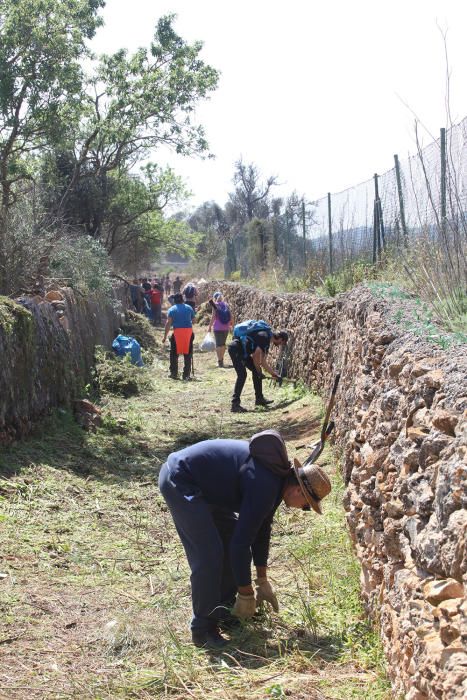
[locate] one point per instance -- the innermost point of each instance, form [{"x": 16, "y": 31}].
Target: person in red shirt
[{"x": 156, "y": 304}]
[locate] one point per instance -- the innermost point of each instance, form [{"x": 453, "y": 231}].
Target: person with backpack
[
  {"x": 248, "y": 350},
  {"x": 222, "y": 495},
  {"x": 221, "y": 322},
  {"x": 189, "y": 294},
  {"x": 180, "y": 317}
]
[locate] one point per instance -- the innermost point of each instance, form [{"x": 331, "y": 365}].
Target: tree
[
  {"x": 209, "y": 219},
  {"x": 42, "y": 46},
  {"x": 136, "y": 103},
  {"x": 260, "y": 237},
  {"x": 250, "y": 195}
]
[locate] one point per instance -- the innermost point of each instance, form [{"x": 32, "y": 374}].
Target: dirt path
[{"x": 94, "y": 587}]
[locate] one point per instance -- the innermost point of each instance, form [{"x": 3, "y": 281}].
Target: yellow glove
[
  {"x": 245, "y": 605},
  {"x": 265, "y": 592}
]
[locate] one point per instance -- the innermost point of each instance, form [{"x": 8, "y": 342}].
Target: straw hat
[{"x": 314, "y": 483}]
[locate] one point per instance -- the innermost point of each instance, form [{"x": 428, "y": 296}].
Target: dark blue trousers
[{"x": 205, "y": 532}]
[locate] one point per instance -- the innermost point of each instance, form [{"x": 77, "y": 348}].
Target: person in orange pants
[{"x": 180, "y": 317}]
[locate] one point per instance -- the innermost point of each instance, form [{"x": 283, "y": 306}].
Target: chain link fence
[{"x": 423, "y": 194}]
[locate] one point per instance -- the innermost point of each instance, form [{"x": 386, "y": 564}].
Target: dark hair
[
  {"x": 178, "y": 298},
  {"x": 282, "y": 335}
]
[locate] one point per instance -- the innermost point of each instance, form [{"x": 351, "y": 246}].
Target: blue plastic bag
[{"x": 124, "y": 344}]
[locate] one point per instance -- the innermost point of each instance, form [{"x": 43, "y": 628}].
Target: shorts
[{"x": 221, "y": 337}]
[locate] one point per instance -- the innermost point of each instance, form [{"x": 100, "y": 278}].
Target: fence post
[
  {"x": 443, "y": 180},
  {"x": 376, "y": 226},
  {"x": 401, "y": 200},
  {"x": 287, "y": 238},
  {"x": 304, "y": 233},
  {"x": 331, "y": 264}
]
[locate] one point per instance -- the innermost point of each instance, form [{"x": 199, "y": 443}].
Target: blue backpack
[{"x": 242, "y": 331}]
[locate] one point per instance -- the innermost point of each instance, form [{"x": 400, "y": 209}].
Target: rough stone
[
  {"x": 54, "y": 295},
  {"x": 445, "y": 421},
  {"x": 437, "y": 591},
  {"x": 401, "y": 424}
]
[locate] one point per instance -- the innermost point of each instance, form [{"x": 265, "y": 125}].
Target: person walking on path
[
  {"x": 221, "y": 322},
  {"x": 251, "y": 353},
  {"x": 180, "y": 317},
  {"x": 167, "y": 284},
  {"x": 157, "y": 296},
  {"x": 189, "y": 294},
  {"x": 222, "y": 495},
  {"x": 177, "y": 285}
]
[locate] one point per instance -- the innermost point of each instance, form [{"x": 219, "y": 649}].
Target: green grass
[
  {"x": 96, "y": 602},
  {"x": 418, "y": 317}
]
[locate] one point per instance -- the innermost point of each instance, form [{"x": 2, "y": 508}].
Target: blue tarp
[{"x": 124, "y": 344}]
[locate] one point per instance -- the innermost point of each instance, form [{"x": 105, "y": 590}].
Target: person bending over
[
  {"x": 251, "y": 353},
  {"x": 222, "y": 495}
]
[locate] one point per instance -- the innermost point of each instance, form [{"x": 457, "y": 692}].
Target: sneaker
[
  {"x": 174, "y": 376},
  {"x": 187, "y": 379},
  {"x": 211, "y": 639},
  {"x": 263, "y": 402},
  {"x": 236, "y": 408},
  {"x": 220, "y": 363}
]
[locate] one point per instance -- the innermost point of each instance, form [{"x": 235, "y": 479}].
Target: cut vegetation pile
[{"x": 94, "y": 586}]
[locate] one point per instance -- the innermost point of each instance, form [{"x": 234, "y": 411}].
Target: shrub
[
  {"x": 139, "y": 328},
  {"x": 236, "y": 275},
  {"x": 116, "y": 375}
]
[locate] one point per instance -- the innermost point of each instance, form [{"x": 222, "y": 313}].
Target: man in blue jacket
[{"x": 222, "y": 495}]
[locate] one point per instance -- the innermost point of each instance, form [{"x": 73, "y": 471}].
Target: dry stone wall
[
  {"x": 47, "y": 351},
  {"x": 400, "y": 413}
]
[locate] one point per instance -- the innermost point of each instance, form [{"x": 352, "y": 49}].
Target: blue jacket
[{"x": 223, "y": 473}]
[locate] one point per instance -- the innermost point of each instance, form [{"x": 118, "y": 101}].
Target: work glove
[
  {"x": 264, "y": 592},
  {"x": 245, "y": 606}
]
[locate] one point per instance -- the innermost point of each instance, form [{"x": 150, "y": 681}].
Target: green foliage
[
  {"x": 350, "y": 276},
  {"x": 419, "y": 317},
  {"x": 139, "y": 328},
  {"x": 42, "y": 44},
  {"x": 454, "y": 310},
  {"x": 236, "y": 275},
  {"x": 14, "y": 317},
  {"x": 117, "y": 376},
  {"x": 82, "y": 263},
  {"x": 93, "y": 131}
]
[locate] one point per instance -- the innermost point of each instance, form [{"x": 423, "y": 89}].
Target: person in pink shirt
[{"x": 221, "y": 323}]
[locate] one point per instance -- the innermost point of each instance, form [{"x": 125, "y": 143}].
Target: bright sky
[{"x": 320, "y": 94}]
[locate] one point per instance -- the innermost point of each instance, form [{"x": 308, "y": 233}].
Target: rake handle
[{"x": 324, "y": 431}]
